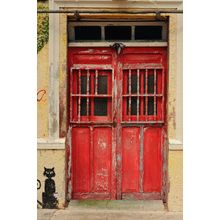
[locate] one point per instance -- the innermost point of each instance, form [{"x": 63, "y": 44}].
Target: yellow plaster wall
[
  {"x": 175, "y": 166},
  {"x": 49, "y": 159},
  {"x": 42, "y": 92},
  {"x": 175, "y": 196}
]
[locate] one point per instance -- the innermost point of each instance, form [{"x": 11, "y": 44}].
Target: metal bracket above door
[{"x": 118, "y": 47}]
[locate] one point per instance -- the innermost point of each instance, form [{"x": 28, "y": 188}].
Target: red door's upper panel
[
  {"x": 91, "y": 77},
  {"x": 143, "y": 55},
  {"x": 85, "y": 55},
  {"x": 144, "y": 77}
]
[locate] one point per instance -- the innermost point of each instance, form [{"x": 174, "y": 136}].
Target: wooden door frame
[{"x": 165, "y": 181}]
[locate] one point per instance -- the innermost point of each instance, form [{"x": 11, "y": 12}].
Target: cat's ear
[
  {"x": 53, "y": 168},
  {"x": 45, "y": 168}
]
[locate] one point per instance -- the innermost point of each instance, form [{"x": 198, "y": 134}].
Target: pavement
[{"x": 114, "y": 210}]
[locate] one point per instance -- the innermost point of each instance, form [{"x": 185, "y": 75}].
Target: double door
[{"x": 117, "y": 117}]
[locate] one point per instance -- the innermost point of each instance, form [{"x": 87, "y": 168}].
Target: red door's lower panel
[
  {"x": 141, "y": 162},
  {"x": 130, "y": 160},
  {"x": 152, "y": 176},
  {"x": 92, "y": 162}
]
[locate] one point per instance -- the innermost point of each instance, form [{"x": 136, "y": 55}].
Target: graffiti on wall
[
  {"x": 48, "y": 196},
  {"x": 49, "y": 201},
  {"x": 40, "y": 94},
  {"x": 38, "y": 187}
]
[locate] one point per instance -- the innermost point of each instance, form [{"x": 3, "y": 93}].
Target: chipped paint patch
[{"x": 102, "y": 143}]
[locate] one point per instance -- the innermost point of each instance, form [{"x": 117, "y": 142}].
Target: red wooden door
[{"x": 117, "y": 115}]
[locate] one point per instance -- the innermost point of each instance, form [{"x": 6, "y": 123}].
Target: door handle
[{"x": 118, "y": 47}]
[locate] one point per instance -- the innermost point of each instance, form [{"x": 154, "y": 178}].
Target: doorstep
[
  {"x": 48, "y": 214},
  {"x": 111, "y": 210},
  {"x": 115, "y": 205}
]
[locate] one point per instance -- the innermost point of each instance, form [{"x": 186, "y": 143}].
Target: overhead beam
[{"x": 78, "y": 12}]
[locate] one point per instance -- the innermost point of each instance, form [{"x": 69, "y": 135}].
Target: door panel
[
  {"x": 131, "y": 159},
  {"x": 102, "y": 147},
  {"x": 152, "y": 159},
  {"x": 92, "y": 162},
  {"x": 81, "y": 159}
]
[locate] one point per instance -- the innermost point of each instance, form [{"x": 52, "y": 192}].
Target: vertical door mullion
[
  {"x": 146, "y": 93},
  {"x": 114, "y": 129},
  {"x": 129, "y": 104},
  {"x": 92, "y": 98},
  {"x": 102, "y": 33},
  {"x": 91, "y": 159},
  {"x": 141, "y": 182},
  {"x": 155, "y": 99},
  {"x": 132, "y": 32},
  {"x": 119, "y": 79},
  {"x": 142, "y": 93},
  {"x": 163, "y": 94},
  {"x": 87, "y": 92},
  {"x": 71, "y": 97},
  {"x": 96, "y": 82},
  {"x": 79, "y": 97},
  {"x": 109, "y": 92},
  {"x": 138, "y": 76}
]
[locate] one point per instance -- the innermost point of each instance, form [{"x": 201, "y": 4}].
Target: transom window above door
[{"x": 117, "y": 31}]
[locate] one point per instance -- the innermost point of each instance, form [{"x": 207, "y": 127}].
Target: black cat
[{"x": 48, "y": 198}]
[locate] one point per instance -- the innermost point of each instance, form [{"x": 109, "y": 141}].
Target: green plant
[{"x": 42, "y": 26}]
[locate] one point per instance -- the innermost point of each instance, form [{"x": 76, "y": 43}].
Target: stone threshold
[
  {"x": 116, "y": 205},
  {"x": 103, "y": 214}
]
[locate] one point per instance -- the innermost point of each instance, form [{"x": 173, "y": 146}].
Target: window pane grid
[
  {"x": 93, "y": 96},
  {"x": 143, "y": 94}
]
